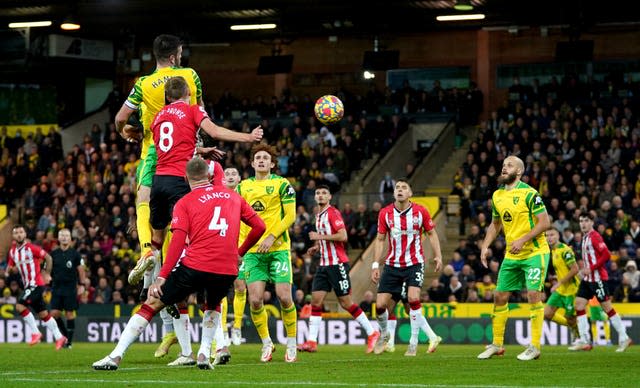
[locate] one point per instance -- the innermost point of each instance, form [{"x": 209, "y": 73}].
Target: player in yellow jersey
[
  {"x": 518, "y": 208},
  {"x": 147, "y": 97},
  {"x": 563, "y": 293},
  {"x": 274, "y": 199}
]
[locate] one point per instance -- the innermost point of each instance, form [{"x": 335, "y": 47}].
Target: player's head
[
  {"x": 323, "y": 195},
  {"x": 19, "y": 233},
  {"x": 167, "y": 49},
  {"x": 512, "y": 169},
  {"x": 402, "y": 191},
  {"x": 586, "y": 222},
  {"x": 197, "y": 171},
  {"x": 64, "y": 237},
  {"x": 553, "y": 237},
  {"x": 176, "y": 88},
  {"x": 263, "y": 157},
  {"x": 231, "y": 177}
]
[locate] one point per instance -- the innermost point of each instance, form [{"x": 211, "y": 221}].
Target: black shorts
[
  {"x": 32, "y": 296},
  {"x": 64, "y": 298},
  {"x": 334, "y": 277},
  {"x": 184, "y": 281},
  {"x": 394, "y": 279},
  {"x": 166, "y": 190},
  {"x": 588, "y": 290},
  {"x": 401, "y": 297}
]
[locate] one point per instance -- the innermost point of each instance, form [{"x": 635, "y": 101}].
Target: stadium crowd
[
  {"x": 580, "y": 142},
  {"x": 91, "y": 189}
]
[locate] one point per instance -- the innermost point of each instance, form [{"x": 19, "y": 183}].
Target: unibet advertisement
[{"x": 333, "y": 331}]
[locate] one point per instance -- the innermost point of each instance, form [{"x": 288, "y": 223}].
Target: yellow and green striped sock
[
  {"x": 290, "y": 320},
  {"x": 260, "y": 320},
  {"x": 499, "y": 322},
  {"x": 537, "y": 318},
  {"x": 239, "y": 301}
]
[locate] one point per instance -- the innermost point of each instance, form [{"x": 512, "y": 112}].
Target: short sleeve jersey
[
  {"x": 517, "y": 209},
  {"x": 65, "y": 267},
  {"x": 268, "y": 197},
  {"x": 563, "y": 258},
  {"x": 147, "y": 97},
  {"x": 211, "y": 218},
  {"x": 28, "y": 260},
  {"x": 330, "y": 222},
  {"x": 404, "y": 230},
  {"x": 175, "y": 130}
]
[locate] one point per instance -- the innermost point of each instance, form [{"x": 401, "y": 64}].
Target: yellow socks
[
  {"x": 290, "y": 320},
  {"x": 537, "y": 317},
  {"x": 143, "y": 223},
  {"x": 223, "y": 313},
  {"x": 559, "y": 319},
  {"x": 499, "y": 322},
  {"x": 239, "y": 301},
  {"x": 260, "y": 321}
]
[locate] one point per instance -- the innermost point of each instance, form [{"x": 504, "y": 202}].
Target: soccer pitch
[{"x": 331, "y": 366}]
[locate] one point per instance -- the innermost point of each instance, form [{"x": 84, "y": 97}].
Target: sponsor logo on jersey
[
  {"x": 258, "y": 206},
  {"x": 506, "y": 217}
]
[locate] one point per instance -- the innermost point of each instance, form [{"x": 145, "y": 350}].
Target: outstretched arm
[{"x": 222, "y": 133}]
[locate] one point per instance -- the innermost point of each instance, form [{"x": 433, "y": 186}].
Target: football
[{"x": 329, "y": 109}]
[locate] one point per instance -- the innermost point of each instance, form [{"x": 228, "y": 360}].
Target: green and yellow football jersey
[
  {"x": 147, "y": 96},
  {"x": 517, "y": 209},
  {"x": 562, "y": 257},
  {"x": 274, "y": 199}
]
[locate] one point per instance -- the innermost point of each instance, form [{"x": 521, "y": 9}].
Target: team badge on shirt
[
  {"x": 515, "y": 200},
  {"x": 270, "y": 189}
]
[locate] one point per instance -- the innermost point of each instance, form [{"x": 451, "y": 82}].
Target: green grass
[{"x": 332, "y": 366}]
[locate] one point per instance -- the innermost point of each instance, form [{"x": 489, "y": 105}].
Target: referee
[{"x": 67, "y": 272}]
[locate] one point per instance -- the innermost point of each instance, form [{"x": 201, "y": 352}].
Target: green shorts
[
  {"x": 272, "y": 267},
  {"x": 567, "y": 302},
  {"x": 241, "y": 272},
  {"x": 147, "y": 168},
  {"x": 596, "y": 313},
  {"x": 515, "y": 275}
]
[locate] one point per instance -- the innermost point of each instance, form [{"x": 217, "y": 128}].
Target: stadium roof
[{"x": 202, "y": 21}]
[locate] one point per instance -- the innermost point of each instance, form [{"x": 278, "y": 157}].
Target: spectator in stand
[
  {"x": 361, "y": 225},
  {"x": 386, "y": 188}
]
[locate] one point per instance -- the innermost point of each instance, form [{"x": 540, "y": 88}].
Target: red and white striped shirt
[
  {"x": 330, "y": 222},
  {"x": 595, "y": 255},
  {"x": 404, "y": 233},
  {"x": 27, "y": 258}
]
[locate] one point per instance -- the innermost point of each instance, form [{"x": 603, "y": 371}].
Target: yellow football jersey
[
  {"x": 517, "y": 209},
  {"x": 147, "y": 97},
  {"x": 562, "y": 257},
  {"x": 274, "y": 199}
]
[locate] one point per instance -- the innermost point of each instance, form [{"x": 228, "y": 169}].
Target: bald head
[
  {"x": 518, "y": 163},
  {"x": 512, "y": 169}
]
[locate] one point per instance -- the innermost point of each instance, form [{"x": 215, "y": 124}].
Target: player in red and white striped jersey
[
  {"x": 595, "y": 256},
  {"x": 330, "y": 237},
  {"x": 27, "y": 259},
  {"x": 403, "y": 223}
]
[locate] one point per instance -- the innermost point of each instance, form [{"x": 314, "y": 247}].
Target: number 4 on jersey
[{"x": 218, "y": 223}]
